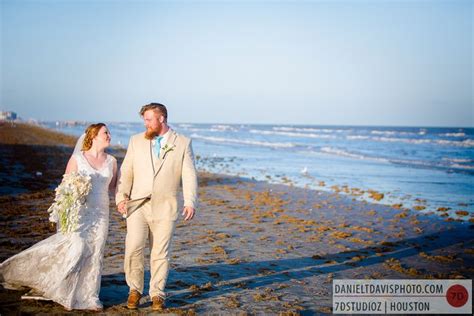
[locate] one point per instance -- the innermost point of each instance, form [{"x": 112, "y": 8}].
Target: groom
[{"x": 155, "y": 164}]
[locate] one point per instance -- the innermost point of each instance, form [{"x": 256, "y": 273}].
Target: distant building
[{"x": 8, "y": 116}]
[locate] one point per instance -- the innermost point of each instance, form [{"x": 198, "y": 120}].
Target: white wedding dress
[{"x": 66, "y": 268}]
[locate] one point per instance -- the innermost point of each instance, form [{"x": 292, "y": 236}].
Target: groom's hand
[
  {"x": 188, "y": 213},
  {"x": 122, "y": 206}
]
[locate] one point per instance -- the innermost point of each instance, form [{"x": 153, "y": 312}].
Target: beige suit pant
[{"x": 140, "y": 225}]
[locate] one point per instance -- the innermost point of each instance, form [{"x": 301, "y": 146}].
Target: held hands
[
  {"x": 188, "y": 213},
  {"x": 122, "y": 207}
]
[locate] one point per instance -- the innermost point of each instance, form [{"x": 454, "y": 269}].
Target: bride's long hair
[{"x": 91, "y": 132}]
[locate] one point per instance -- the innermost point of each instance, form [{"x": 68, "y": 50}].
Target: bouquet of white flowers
[{"x": 70, "y": 195}]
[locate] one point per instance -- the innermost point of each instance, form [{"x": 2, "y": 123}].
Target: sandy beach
[{"x": 253, "y": 247}]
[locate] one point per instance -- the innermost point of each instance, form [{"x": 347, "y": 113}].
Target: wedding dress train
[{"x": 66, "y": 268}]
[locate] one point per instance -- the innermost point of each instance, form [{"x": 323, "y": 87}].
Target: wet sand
[{"x": 253, "y": 248}]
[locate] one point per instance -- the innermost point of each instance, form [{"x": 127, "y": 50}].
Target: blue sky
[{"x": 406, "y": 63}]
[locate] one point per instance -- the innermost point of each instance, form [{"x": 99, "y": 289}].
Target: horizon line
[{"x": 276, "y": 124}]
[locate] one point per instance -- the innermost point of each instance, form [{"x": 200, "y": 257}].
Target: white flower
[{"x": 70, "y": 196}]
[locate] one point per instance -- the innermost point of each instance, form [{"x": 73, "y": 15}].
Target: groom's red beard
[{"x": 152, "y": 133}]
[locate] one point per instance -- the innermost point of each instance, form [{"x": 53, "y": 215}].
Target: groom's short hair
[{"x": 155, "y": 107}]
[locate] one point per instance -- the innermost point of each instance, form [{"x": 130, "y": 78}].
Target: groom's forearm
[
  {"x": 125, "y": 179},
  {"x": 123, "y": 191},
  {"x": 124, "y": 185}
]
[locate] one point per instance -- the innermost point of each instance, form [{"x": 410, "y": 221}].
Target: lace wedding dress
[{"x": 66, "y": 268}]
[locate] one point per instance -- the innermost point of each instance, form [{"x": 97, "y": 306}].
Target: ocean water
[{"x": 428, "y": 167}]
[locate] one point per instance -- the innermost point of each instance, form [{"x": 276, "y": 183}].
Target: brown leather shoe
[
  {"x": 158, "y": 303},
  {"x": 133, "y": 299}
]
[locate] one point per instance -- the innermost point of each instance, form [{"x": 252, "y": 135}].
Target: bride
[{"x": 66, "y": 268}]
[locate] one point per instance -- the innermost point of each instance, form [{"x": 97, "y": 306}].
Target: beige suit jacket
[{"x": 143, "y": 176}]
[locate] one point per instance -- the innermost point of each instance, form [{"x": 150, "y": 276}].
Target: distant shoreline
[
  {"x": 275, "y": 124},
  {"x": 372, "y": 195}
]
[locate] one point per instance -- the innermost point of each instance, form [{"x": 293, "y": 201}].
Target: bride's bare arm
[
  {"x": 71, "y": 165},
  {"x": 113, "y": 183}
]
